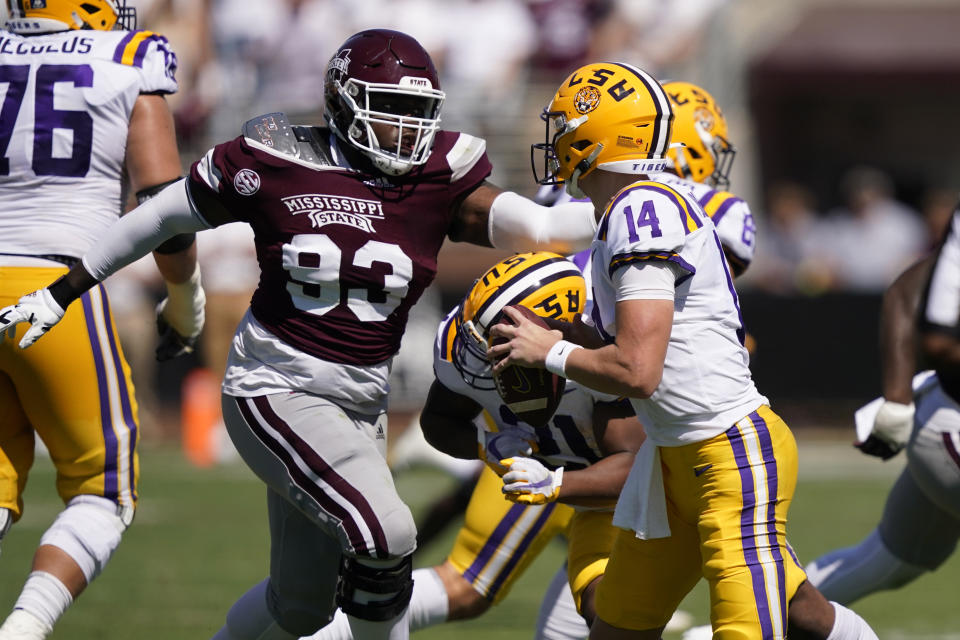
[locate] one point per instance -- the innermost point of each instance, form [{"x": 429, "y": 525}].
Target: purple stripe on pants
[
  {"x": 773, "y": 482},
  {"x": 110, "y": 481},
  {"x": 747, "y": 537},
  {"x": 496, "y": 538},
  {"x": 522, "y": 548},
  {"x": 122, "y": 391}
]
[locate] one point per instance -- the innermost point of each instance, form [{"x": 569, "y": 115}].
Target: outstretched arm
[
  {"x": 898, "y": 355},
  {"x": 492, "y": 217},
  {"x": 171, "y": 212}
]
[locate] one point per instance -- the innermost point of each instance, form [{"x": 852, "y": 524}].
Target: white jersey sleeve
[
  {"x": 734, "y": 222},
  {"x": 151, "y": 55}
]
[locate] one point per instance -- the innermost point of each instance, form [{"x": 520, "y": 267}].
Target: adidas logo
[{"x": 380, "y": 434}]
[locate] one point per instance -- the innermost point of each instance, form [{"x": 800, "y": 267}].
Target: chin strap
[{"x": 573, "y": 186}]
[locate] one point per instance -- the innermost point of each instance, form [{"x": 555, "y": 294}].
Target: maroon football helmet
[{"x": 384, "y": 77}]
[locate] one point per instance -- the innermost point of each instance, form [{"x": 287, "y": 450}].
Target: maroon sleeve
[
  {"x": 464, "y": 161},
  {"x": 231, "y": 173}
]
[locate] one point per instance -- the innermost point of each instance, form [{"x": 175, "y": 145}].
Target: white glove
[
  {"x": 39, "y": 309},
  {"x": 529, "y": 482},
  {"x": 497, "y": 445},
  {"x": 891, "y": 430}
]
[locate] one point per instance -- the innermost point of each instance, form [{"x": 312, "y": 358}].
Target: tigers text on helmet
[
  {"x": 385, "y": 78},
  {"x": 609, "y": 115},
  {"x": 706, "y": 155},
  {"x": 44, "y": 16},
  {"x": 547, "y": 283}
]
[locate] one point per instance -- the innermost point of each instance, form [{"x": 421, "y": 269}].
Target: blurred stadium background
[{"x": 844, "y": 114}]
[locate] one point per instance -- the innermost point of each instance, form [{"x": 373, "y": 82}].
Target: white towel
[{"x": 642, "y": 506}]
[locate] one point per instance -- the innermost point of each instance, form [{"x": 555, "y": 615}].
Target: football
[{"x": 532, "y": 394}]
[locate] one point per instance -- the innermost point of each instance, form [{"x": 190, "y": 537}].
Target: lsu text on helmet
[
  {"x": 607, "y": 115},
  {"x": 384, "y": 80},
  {"x": 706, "y": 155},
  {"x": 44, "y": 16},
  {"x": 547, "y": 283}
]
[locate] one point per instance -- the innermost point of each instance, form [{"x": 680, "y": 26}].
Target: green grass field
[{"x": 200, "y": 540}]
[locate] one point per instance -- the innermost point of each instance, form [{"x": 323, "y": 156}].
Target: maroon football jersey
[{"x": 343, "y": 254}]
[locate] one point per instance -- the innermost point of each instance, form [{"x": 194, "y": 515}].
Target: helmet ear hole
[{"x": 580, "y": 145}]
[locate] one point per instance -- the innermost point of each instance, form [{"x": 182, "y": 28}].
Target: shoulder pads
[{"x": 273, "y": 130}]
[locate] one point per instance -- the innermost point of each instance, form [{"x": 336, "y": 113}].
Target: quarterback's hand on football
[
  {"x": 891, "y": 430},
  {"x": 38, "y": 308},
  {"x": 496, "y": 446},
  {"x": 180, "y": 318},
  {"x": 529, "y": 482},
  {"x": 526, "y": 344}
]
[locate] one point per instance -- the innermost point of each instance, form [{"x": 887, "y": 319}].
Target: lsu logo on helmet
[
  {"x": 608, "y": 115},
  {"x": 586, "y": 99},
  {"x": 39, "y": 16},
  {"x": 705, "y": 154},
  {"x": 546, "y": 283}
]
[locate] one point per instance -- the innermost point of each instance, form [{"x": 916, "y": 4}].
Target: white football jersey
[
  {"x": 706, "y": 385},
  {"x": 567, "y": 440},
  {"x": 63, "y": 132},
  {"x": 730, "y": 214}
]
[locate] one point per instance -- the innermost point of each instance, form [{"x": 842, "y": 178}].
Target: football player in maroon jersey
[{"x": 348, "y": 220}]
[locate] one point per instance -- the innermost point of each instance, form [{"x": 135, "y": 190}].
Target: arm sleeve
[
  {"x": 650, "y": 281},
  {"x": 520, "y": 224},
  {"x": 136, "y": 234}
]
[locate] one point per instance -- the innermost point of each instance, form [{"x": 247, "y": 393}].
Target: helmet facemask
[
  {"x": 581, "y": 154},
  {"x": 546, "y": 283},
  {"x": 412, "y": 107}
]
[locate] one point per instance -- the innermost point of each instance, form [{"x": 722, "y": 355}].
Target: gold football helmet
[
  {"x": 706, "y": 154},
  {"x": 547, "y": 283},
  {"x": 31, "y": 16},
  {"x": 609, "y": 115}
]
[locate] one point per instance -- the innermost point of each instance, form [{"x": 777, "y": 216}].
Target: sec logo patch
[{"x": 246, "y": 182}]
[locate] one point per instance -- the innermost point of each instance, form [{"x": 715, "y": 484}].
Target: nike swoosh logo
[{"x": 698, "y": 471}]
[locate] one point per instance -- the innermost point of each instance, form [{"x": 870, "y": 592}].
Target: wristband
[{"x": 556, "y": 360}]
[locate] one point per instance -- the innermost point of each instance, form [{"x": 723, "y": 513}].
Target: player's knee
[
  {"x": 375, "y": 590},
  {"x": 89, "y": 531},
  {"x": 400, "y": 531}
]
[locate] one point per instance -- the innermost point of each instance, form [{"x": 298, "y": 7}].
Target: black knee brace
[{"x": 396, "y": 581}]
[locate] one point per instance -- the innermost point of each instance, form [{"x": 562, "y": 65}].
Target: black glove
[
  {"x": 172, "y": 344},
  {"x": 874, "y": 446}
]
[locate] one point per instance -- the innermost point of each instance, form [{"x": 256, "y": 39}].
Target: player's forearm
[
  {"x": 577, "y": 332},
  {"x": 598, "y": 485},
  {"x": 520, "y": 224},
  {"x": 72, "y": 285},
  {"x": 898, "y": 331},
  {"x": 611, "y": 370},
  {"x": 140, "y": 231}
]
